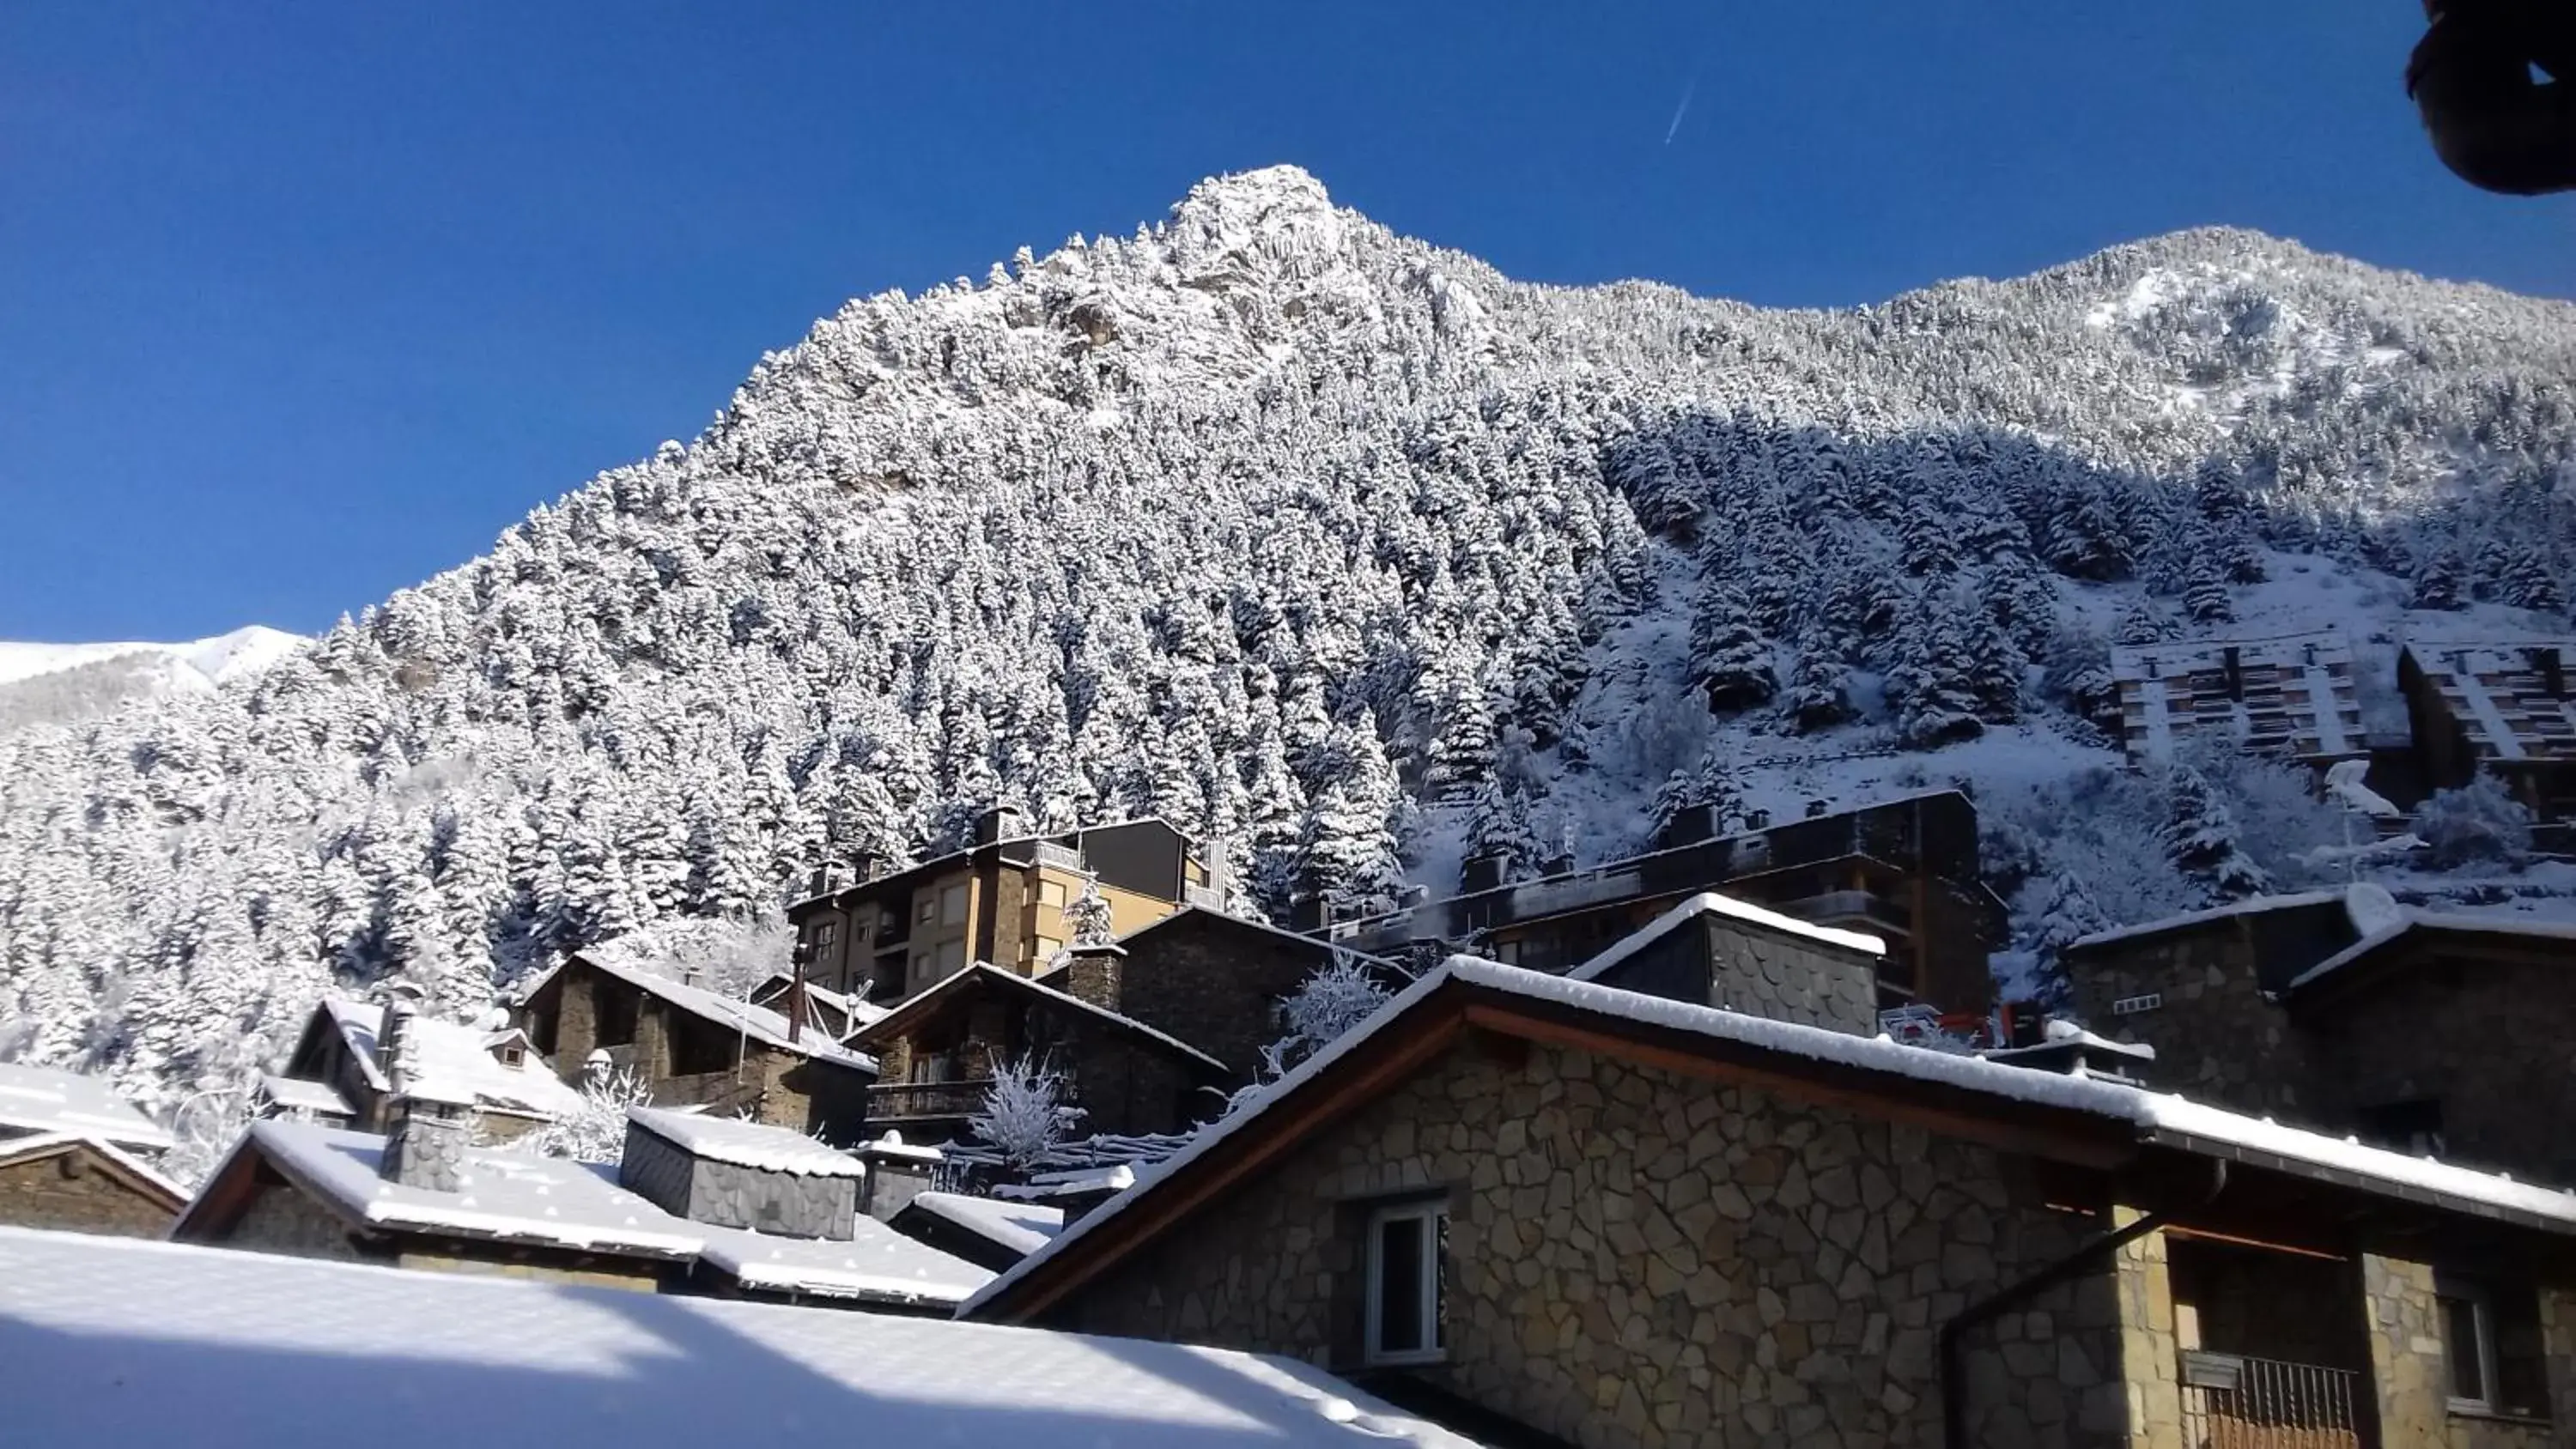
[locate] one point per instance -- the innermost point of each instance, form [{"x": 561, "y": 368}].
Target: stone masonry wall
[
  {"x": 283, "y": 1220},
  {"x": 1215, "y": 984},
  {"x": 2216, "y": 1038},
  {"x": 1638, "y": 1259},
  {"x": 789, "y": 1204},
  {"x": 87, "y": 1198},
  {"x": 2412, "y": 1376}
]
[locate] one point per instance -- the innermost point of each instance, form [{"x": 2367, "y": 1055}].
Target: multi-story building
[
  {"x": 892, "y": 934},
  {"x": 2290, "y": 695},
  {"x": 1904, "y": 871},
  {"x": 2501, "y": 706}
]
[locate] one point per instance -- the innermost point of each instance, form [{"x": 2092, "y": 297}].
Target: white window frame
[
  {"x": 2482, "y": 1324},
  {"x": 1432, "y": 1213}
]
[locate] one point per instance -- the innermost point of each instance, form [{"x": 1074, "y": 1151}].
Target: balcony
[
  {"x": 2230, "y": 1401},
  {"x": 1062, "y": 857},
  {"x": 896, "y": 1102}
]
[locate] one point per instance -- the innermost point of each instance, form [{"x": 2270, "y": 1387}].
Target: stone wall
[
  {"x": 789, "y": 1204},
  {"x": 1215, "y": 983},
  {"x": 2216, "y": 1038},
  {"x": 78, "y": 1191},
  {"x": 281, "y": 1219},
  {"x": 2412, "y": 1376},
  {"x": 1721, "y": 961},
  {"x": 1638, "y": 1259}
]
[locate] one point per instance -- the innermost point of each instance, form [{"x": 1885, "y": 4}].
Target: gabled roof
[
  {"x": 2192, "y": 920},
  {"x": 1193, "y": 914},
  {"x": 508, "y": 1195},
  {"x": 456, "y": 1060},
  {"x": 954, "y": 858},
  {"x": 116, "y": 1342},
  {"x": 2077, "y": 1119},
  {"x": 980, "y": 974},
  {"x": 138, "y": 1174},
  {"x": 51, "y": 1099},
  {"x": 1020, "y": 1227},
  {"x": 2410, "y": 926},
  {"x": 1711, "y": 903},
  {"x": 758, "y": 1023},
  {"x": 298, "y": 1095}
]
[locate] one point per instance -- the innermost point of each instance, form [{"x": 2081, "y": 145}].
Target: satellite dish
[{"x": 2344, "y": 783}]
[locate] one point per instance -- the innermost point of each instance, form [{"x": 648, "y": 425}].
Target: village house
[
  {"x": 1565, "y": 1213},
  {"x": 2343, "y": 1011},
  {"x": 891, "y": 934},
  {"x": 696, "y": 1203},
  {"x": 1904, "y": 871},
  {"x": 939, "y": 1052},
  {"x": 2499, "y": 706},
  {"x": 150, "y": 1344},
  {"x": 2291, "y": 695},
  {"x": 76, "y": 1156},
  {"x": 689, "y": 1046},
  {"x": 336, "y": 1073}
]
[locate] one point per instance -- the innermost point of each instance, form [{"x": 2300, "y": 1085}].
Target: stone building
[
  {"x": 2342, "y": 1011},
  {"x": 83, "y": 1185},
  {"x": 1567, "y": 1213},
  {"x": 1211, "y": 979},
  {"x": 894, "y": 933},
  {"x": 336, "y": 1073},
  {"x": 697, "y": 1204},
  {"x": 50, "y": 1101},
  {"x": 938, "y": 1053},
  {"x": 1904, "y": 871},
  {"x": 690, "y": 1046}
]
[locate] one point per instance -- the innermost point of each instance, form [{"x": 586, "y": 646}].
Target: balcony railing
[
  {"x": 2233, "y": 1402},
  {"x": 901, "y": 1101},
  {"x": 1062, "y": 857}
]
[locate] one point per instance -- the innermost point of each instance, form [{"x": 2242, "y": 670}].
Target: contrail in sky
[{"x": 1681, "y": 110}]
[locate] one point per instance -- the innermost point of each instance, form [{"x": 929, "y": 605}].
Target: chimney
[
  {"x": 2069, "y": 1050},
  {"x": 2553, "y": 672},
  {"x": 825, "y": 880},
  {"x": 2232, "y": 663},
  {"x": 1690, "y": 825},
  {"x": 865, "y": 866},
  {"x": 1092, "y": 974},
  {"x": 426, "y": 1126},
  {"x": 729, "y": 1173},
  {"x": 1480, "y": 873},
  {"x": 1306, "y": 915},
  {"x": 998, "y": 824},
  {"x": 898, "y": 1172},
  {"x": 1818, "y": 809},
  {"x": 1757, "y": 819}
]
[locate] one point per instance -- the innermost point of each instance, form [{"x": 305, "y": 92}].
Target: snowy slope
[
  {"x": 1346, "y": 553},
  {"x": 241, "y": 654}
]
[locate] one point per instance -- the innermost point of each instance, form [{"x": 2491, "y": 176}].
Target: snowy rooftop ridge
[
  {"x": 19, "y": 1149},
  {"x": 55, "y": 1099},
  {"x": 454, "y": 1062},
  {"x": 2157, "y": 1116},
  {"x": 1714, "y": 903},
  {"x": 758, "y": 1023},
  {"x": 2251, "y": 905},
  {"x": 2408, "y": 919},
  {"x": 1019, "y": 1226},
  {"x": 114, "y": 1341},
  {"x": 986, "y": 971},
  {"x": 746, "y": 1144}
]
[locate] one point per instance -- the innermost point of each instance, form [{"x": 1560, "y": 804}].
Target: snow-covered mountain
[
  {"x": 1343, "y": 551},
  {"x": 61, "y": 683}
]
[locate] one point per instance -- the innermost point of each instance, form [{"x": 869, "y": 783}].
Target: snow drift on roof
[
  {"x": 296, "y": 1094},
  {"x": 759, "y": 1023},
  {"x": 105, "y": 1341},
  {"x": 2249, "y": 906},
  {"x": 875, "y": 1262},
  {"x": 1019, "y": 1226},
  {"x": 1711, "y": 903},
  {"x": 454, "y": 1063},
  {"x": 50, "y": 1099},
  {"x": 746, "y": 1144}
]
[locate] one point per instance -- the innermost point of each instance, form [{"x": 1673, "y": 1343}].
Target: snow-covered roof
[
  {"x": 1021, "y": 1227},
  {"x": 746, "y": 1144},
  {"x": 113, "y": 1341},
  {"x": 983, "y": 971},
  {"x": 2251, "y": 905},
  {"x": 893, "y": 1145},
  {"x": 503, "y": 1195},
  {"x": 2156, "y": 1116},
  {"x": 2290, "y": 692},
  {"x": 875, "y": 1262},
  {"x": 297, "y": 1094},
  {"x": 1312, "y": 943},
  {"x": 51, "y": 1099},
  {"x": 1711, "y": 903},
  {"x": 45, "y": 1144},
  {"x": 455, "y": 1063},
  {"x": 2408, "y": 919},
  {"x": 759, "y": 1023},
  {"x": 1073, "y": 1182},
  {"x": 858, "y": 1011},
  {"x": 2499, "y": 695}
]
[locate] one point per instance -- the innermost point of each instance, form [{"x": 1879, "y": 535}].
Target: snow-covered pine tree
[
  {"x": 1819, "y": 694},
  {"x": 2204, "y": 592},
  {"x": 2201, "y": 837},
  {"x": 1730, "y": 660}
]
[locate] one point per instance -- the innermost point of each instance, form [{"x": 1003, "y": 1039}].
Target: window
[
  {"x": 929, "y": 909},
  {"x": 1047, "y": 947},
  {"x": 1051, "y": 893},
  {"x": 952, "y": 906},
  {"x": 2491, "y": 1346},
  {"x": 952, "y": 958},
  {"x": 1407, "y": 1245},
  {"x": 614, "y": 1006},
  {"x": 826, "y": 936}
]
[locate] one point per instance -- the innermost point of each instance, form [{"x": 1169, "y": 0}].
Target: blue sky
[{"x": 301, "y": 303}]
